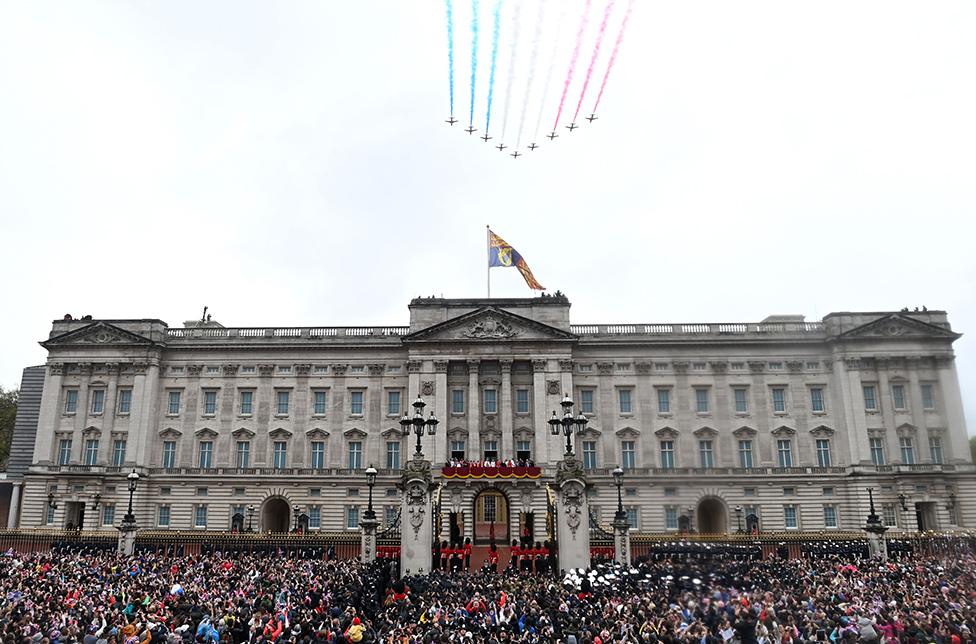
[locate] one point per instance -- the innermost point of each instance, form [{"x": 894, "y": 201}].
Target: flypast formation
[{"x": 527, "y": 80}]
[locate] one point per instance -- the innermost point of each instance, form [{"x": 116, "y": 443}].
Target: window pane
[
  {"x": 64, "y": 451},
  {"x": 393, "y": 403},
  {"x": 898, "y": 396},
  {"x": 491, "y": 401},
  {"x": 877, "y": 451},
  {"x": 169, "y": 454},
  {"x": 243, "y": 454},
  {"x": 247, "y": 401},
  {"x": 870, "y": 401},
  {"x": 282, "y": 403},
  {"x": 319, "y": 403},
  {"x": 71, "y": 401},
  {"x": 209, "y": 402},
  {"x": 667, "y": 454},
  {"x": 624, "y": 397},
  {"x": 745, "y": 453},
  {"x": 589, "y": 455},
  {"x": 118, "y": 452},
  {"x": 823, "y": 452},
  {"x": 97, "y": 401},
  {"x": 125, "y": 400},
  {"x": 779, "y": 400},
  {"x": 816, "y": 399},
  {"x": 280, "y": 455},
  {"x": 457, "y": 401},
  {"x": 522, "y": 401},
  {"x": 701, "y": 401},
  {"x": 664, "y": 401},
  {"x": 705, "y": 454},
  {"x": 393, "y": 455},
  {"x": 629, "y": 459},
  {"x": 355, "y": 455},
  {"x": 586, "y": 401},
  {"x": 935, "y": 449},
  {"x": 928, "y": 396},
  {"x": 174, "y": 403},
  {"x": 741, "y": 402}
]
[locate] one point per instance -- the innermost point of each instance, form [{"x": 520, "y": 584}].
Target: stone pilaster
[
  {"x": 621, "y": 540},
  {"x": 539, "y": 411},
  {"x": 573, "y": 523},
  {"x": 416, "y": 527},
  {"x": 441, "y": 400},
  {"x": 473, "y": 448},
  {"x": 506, "y": 412},
  {"x": 368, "y": 526},
  {"x": 14, "y": 509}
]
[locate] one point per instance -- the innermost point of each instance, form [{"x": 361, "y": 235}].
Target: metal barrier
[{"x": 21, "y": 540}]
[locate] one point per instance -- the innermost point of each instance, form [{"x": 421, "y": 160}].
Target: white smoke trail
[
  {"x": 533, "y": 59},
  {"x": 552, "y": 66},
  {"x": 513, "y": 56}
]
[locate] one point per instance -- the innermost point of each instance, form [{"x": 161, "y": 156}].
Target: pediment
[
  {"x": 97, "y": 333},
  {"x": 355, "y": 432},
  {"x": 91, "y": 431},
  {"x": 821, "y": 431},
  {"x": 705, "y": 432},
  {"x": 206, "y": 432},
  {"x": 667, "y": 432},
  {"x": 242, "y": 432},
  {"x": 458, "y": 433},
  {"x": 905, "y": 429},
  {"x": 896, "y": 326},
  {"x": 783, "y": 430},
  {"x": 392, "y": 432},
  {"x": 744, "y": 432},
  {"x": 280, "y": 433},
  {"x": 592, "y": 432},
  {"x": 316, "y": 434},
  {"x": 627, "y": 432},
  {"x": 490, "y": 324},
  {"x": 170, "y": 433}
]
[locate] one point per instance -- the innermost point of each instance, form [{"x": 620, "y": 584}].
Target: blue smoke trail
[
  {"x": 494, "y": 59},
  {"x": 450, "y": 49},
  {"x": 474, "y": 56}
]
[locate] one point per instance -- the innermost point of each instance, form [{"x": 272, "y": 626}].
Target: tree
[
  {"x": 972, "y": 448},
  {"x": 8, "y": 413}
]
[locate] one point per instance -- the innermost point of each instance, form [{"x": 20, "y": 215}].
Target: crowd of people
[
  {"x": 103, "y": 598},
  {"x": 491, "y": 462}
]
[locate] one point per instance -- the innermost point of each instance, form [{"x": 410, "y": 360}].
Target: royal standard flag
[{"x": 501, "y": 253}]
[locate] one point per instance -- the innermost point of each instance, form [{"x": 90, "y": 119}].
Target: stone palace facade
[{"x": 777, "y": 425}]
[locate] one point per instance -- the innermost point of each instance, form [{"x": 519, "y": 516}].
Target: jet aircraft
[{"x": 451, "y": 121}]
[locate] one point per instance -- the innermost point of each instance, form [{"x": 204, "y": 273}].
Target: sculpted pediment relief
[
  {"x": 170, "y": 433},
  {"x": 355, "y": 432},
  {"x": 627, "y": 432},
  {"x": 242, "y": 433},
  {"x": 705, "y": 432},
  {"x": 666, "y": 432},
  {"x": 822, "y": 431},
  {"x": 97, "y": 333},
  {"x": 744, "y": 432},
  {"x": 280, "y": 432},
  {"x": 783, "y": 430},
  {"x": 897, "y": 326},
  {"x": 206, "y": 432},
  {"x": 489, "y": 324},
  {"x": 316, "y": 434},
  {"x": 392, "y": 432}
]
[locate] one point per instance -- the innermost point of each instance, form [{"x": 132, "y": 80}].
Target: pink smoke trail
[
  {"x": 596, "y": 52},
  {"x": 572, "y": 62},
  {"x": 613, "y": 56}
]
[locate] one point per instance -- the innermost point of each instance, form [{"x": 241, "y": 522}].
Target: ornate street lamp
[
  {"x": 873, "y": 517},
  {"x": 618, "y": 480},
  {"x": 567, "y": 422},
  {"x": 250, "y": 518},
  {"x": 96, "y": 500},
  {"x": 738, "y": 517},
  {"x": 370, "y": 481},
  {"x": 133, "y": 480},
  {"x": 418, "y": 423},
  {"x": 903, "y": 502},
  {"x": 297, "y": 511}
]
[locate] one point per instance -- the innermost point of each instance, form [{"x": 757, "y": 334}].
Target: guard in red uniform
[
  {"x": 493, "y": 558},
  {"x": 467, "y": 553}
]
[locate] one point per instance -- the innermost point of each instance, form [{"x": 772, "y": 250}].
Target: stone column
[
  {"x": 506, "y": 413},
  {"x": 541, "y": 448},
  {"x": 52, "y": 406},
  {"x": 440, "y": 407},
  {"x": 143, "y": 439},
  {"x": 573, "y": 516},
  {"x": 876, "y": 529},
  {"x": 106, "y": 446},
  {"x": 14, "y": 504},
  {"x": 955, "y": 419},
  {"x": 368, "y": 524},
  {"x": 621, "y": 540},
  {"x": 127, "y": 536},
  {"x": 473, "y": 448},
  {"x": 416, "y": 527}
]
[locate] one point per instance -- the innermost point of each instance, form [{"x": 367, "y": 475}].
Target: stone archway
[
  {"x": 491, "y": 517},
  {"x": 712, "y": 516},
  {"x": 275, "y": 515}
]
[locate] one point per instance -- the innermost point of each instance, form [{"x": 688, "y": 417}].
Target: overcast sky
[{"x": 288, "y": 164}]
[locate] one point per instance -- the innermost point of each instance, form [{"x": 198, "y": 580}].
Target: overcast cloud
[{"x": 287, "y": 164}]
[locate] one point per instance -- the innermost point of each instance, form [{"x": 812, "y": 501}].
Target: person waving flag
[{"x": 501, "y": 253}]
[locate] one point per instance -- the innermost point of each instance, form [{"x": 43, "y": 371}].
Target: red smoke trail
[
  {"x": 613, "y": 56},
  {"x": 596, "y": 52},
  {"x": 572, "y": 62}
]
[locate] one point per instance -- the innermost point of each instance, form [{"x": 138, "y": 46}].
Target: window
[
  {"x": 521, "y": 401},
  {"x": 817, "y": 400},
  {"x": 393, "y": 403},
  {"x": 118, "y": 452},
  {"x": 784, "y": 449},
  {"x": 623, "y": 398},
  {"x": 523, "y": 449},
  {"x": 356, "y": 368},
  {"x": 705, "y": 455},
  {"x": 457, "y": 449},
  {"x": 162, "y": 516},
  {"x": 173, "y": 407},
  {"x": 49, "y": 517},
  {"x": 586, "y": 401},
  {"x": 698, "y": 366},
  {"x": 64, "y": 451},
  {"x": 393, "y": 455},
  {"x": 870, "y": 398},
  {"x": 281, "y": 398},
  {"x": 877, "y": 451},
  {"x": 319, "y": 401},
  {"x": 206, "y": 455},
  {"x": 789, "y": 491},
  {"x": 318, "y": 455},
  {"x": 701, "y": 401},
  {"x": 491, "y": 401},
  {"x": 243, "y": 454},
  {"x": 741, "y": 401},
  {"x": 213, "y": 369},
  {"x": 280, "y": 455},
  {"x": 830, "y": 516},
  {"x": 247, "y": 369},
  {"x": 775, "y": 366},
  {"x": 491, "y": 450},
  {"x": 314, "y": 517},
  {"x": 632, "y": 520},
  {"x": 247, "y": 403},
  {"x": 889, "y": 515},
  {"x": 355, "y": 455},
  {"x": 667, "y": 455},
  {"x": 589, "y": 455},
  {"x": 457, "y": 401},
  {"x": 97, "y": 401},
  {"x": 779, "y": 400},
  {"x": 209, "y": 403},
  {"x": 898, "y": 396},
  {"x": 125, "y": 401},
  {"x": 287, "y": 369},
  {"x": 169, "y": 454},
  {"x": 828, "y": 491},
  {"x": 70, "y": 401},
  {"x": 745, "y": 454},
  {"x": 670, "y": 491},
  {"x": 91, "y": 451},
  {"x": 315, "y": 491},
  {"x": 390, "y": 515},
  {"x": 907, "y": 446},
  {"x": 823, "y": 452},
  {"x": 352, "y": 518},
  {"x": 928, "y": 396},
  {"x": 789, "y": 517},
  {"x": 935, "y": 449},
  {"x": 670, "y": 517},
  {"x": 356, "y": 403},
  {"x": 664, "y": 401},
  {"x": 200, "y": 516},
  {"x": 628, "y": 458},
  {"x": 749, "y": 491},
  {"x": 108, "y": 514}
]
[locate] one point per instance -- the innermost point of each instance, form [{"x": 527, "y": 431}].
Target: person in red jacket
[
  {"x": 467, "y": 553},
  {"x": 493, "y": 558},
  {"x": 516, "y": 556}
]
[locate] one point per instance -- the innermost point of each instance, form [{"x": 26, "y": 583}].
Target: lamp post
[
  {"x": 618, "y": 480},
  {"x": 418, "y": 423},
  {"x": 96, "y": 500},
  {"x": 250, "y": 518},
  {"x": 738, "y": 518},
  {"x": 691, "y": 518},
  {"x": 567, "y": 422},
  {"x": 950, "y": 506},
  {"x": 51, "y": 503},
  {"x": 370, "y": 481},
  {"x": 133, "y": 480},
  {"x": 621, "y": 526},
  {"x": 875, "y": 528},
  {"x": 297, "y": 511},
  {"x": 903, "y": 502}
]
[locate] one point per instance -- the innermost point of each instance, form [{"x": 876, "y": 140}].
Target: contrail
[
  {"x": 450, "y": 50},
  {"x": 474, "y": 56},
  {"x": 596, "y": 52},
  {"x": 552, "y": 66},
  {"x": 494, "y": 59},
  {"x": 532, "y": 63},
  {"x": 513, "y": 55},
  {"x": 572, "y": 62},
  {"x": 613, "y": 56}
]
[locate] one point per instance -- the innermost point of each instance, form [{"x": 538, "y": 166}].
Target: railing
[
  {"x": 310, "y": 544},
  {"x": 267, "y": 471},
  {"x": 481, "y": 472},
  {"x": 26, "y": 540},
  {"x": 287, "y": 332},
  {"x": 706, "y": 328}
]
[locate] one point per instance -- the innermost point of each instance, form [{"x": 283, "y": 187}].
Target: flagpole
[{"x": 488, "y": 246}]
